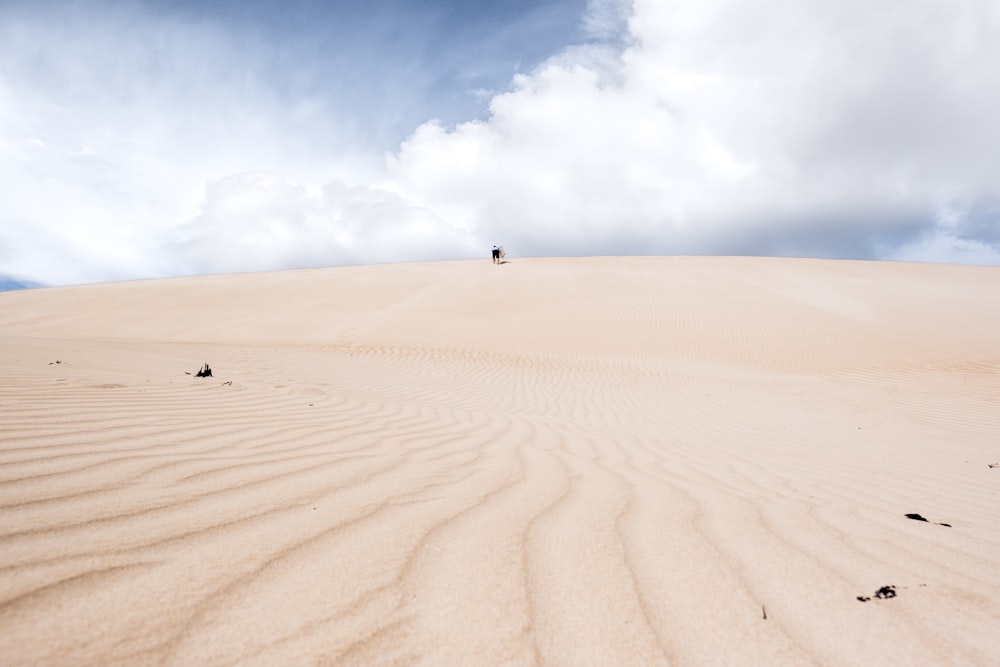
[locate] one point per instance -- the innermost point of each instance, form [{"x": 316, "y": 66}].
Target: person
[{"x": 496, "y": 254}]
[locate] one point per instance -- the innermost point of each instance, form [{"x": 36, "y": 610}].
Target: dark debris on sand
[
  {"x": 205, "y": 372},
  {"x": 883, "y": 593}
]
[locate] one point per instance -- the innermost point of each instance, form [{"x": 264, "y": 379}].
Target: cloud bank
[
  {"x": 846, "y": 130},
  {"x": 137, "y": 144}
]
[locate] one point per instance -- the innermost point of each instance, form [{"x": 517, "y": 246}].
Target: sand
[{"x": 687, "y": 461}]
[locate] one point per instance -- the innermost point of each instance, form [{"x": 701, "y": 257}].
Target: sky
[{"x": 145, "y": 139}]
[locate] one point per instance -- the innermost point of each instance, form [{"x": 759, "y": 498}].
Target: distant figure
[{"x": 496, "y": 254}]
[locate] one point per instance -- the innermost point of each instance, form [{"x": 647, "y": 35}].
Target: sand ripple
[{"x": 633, "y": 462}]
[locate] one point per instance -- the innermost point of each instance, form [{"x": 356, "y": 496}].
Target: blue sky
[{"x": 147, "y": 139}]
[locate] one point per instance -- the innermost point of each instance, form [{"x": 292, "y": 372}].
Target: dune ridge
[{"x": 553, "y": 461}]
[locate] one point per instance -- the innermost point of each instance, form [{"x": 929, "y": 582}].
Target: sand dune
[{"x": 554, "y": 461}]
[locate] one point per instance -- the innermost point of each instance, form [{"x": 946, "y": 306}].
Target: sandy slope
[{"x": 573, "y": 461}]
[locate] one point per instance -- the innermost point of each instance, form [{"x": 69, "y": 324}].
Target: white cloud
[
  {"x": 734, "y": 127},
  {"x": 256, "y": 222},
  {"x": 112, "y": 129},
  {"x": 139, "y": 144}
]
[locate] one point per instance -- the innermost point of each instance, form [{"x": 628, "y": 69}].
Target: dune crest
[{"x": 553, "y": 461}]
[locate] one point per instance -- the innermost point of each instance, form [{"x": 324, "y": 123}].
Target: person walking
[{"x": 496, "y": 254}]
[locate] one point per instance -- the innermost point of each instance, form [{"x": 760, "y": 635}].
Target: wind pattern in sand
[{"x": 602, "y": 461}]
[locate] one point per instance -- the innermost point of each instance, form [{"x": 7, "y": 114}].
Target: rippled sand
[{"x": 564, "y": 461}]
